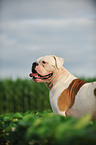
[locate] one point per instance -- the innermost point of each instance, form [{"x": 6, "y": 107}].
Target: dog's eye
[{"x": 43, "y": 62}]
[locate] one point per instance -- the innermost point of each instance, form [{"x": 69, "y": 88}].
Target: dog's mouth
[{"x": 36, "y": 75}]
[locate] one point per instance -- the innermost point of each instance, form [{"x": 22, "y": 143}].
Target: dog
[{"x": 68, "y": 95}]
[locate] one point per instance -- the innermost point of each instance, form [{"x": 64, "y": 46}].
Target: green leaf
[
  {"x": 6, "y": 118},
  {"x": 81, "y": 123},
  {"x": 18, "y": 115}
]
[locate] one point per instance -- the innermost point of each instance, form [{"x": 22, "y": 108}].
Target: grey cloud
[
  {"x": 30, "y": 29},
  {"x": 20, "y": 9}
]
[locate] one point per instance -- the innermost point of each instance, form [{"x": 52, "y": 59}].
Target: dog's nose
[
  {"x": 33, "y": 67},
  {"x": 34, "y": 64}
]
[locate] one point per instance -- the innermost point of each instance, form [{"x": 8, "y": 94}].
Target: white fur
[{"x": 85, "y": 101}]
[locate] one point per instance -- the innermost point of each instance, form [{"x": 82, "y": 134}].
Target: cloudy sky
[{"x": 30, "y": 29}]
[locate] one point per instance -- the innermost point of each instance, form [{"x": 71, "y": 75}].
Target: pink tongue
[
  {"x": 32, "y": 75},
  {"x": 36, "y": 75}
]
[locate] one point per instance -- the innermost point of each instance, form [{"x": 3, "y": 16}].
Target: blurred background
[{"x": 30, "y": 29}]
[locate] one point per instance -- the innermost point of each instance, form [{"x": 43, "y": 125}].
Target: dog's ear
[{"x": 58, "y": 61}]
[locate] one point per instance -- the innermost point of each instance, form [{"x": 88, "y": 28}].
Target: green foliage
[
  {"x": 44, "y": 128},
  {"x": 24, "y": 95},
  {"x": 88, "y": 80}
]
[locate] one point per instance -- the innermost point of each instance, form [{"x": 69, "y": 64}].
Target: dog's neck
[{"x": 58, "y": 76}]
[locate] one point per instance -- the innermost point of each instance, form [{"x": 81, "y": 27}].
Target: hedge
[{"x": 22, "y": 95}]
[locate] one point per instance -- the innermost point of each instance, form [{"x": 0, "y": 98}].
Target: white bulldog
[{"x": 68, "y": 94}]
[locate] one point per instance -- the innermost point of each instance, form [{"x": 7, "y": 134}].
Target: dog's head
[{"x": 45, "y": 68}]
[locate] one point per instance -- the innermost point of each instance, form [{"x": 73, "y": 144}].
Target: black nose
[
  {"x": 33, "y": 67},
  {"x": 35, "y": 64}
]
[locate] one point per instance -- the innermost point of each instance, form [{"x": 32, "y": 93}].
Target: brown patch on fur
[
  {"x": 95, "y": 91},
  {"x": 67, "y": 97}
]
